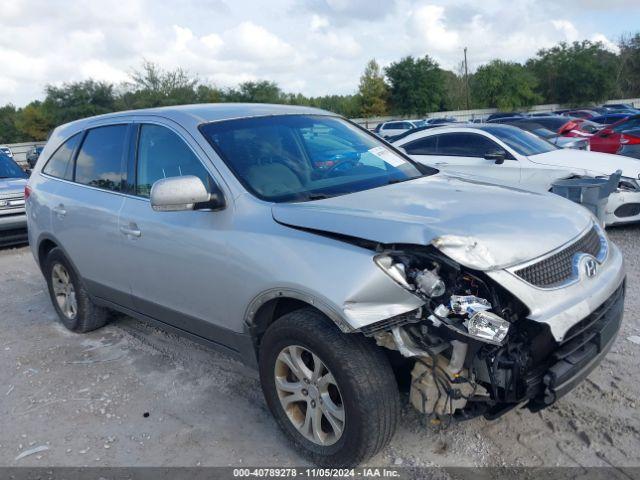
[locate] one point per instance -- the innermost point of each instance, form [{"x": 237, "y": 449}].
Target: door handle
[
  {"x": 130, "y": 230},
  {"x": 60, "y": 210}
]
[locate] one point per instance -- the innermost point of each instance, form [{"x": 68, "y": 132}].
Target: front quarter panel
[{"x": 339, "y": 278}]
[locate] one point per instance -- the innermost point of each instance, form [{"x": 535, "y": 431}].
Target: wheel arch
[
  {"x": 46, "y": 243},
  {"x": 267, "y": 307}
]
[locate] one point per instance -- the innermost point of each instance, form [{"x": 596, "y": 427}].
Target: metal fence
[{"x": 468, "y": 115}]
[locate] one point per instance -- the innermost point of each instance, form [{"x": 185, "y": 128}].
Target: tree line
[{"x": 572, "y": 74}]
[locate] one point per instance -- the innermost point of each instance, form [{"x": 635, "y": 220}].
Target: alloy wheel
[
  {"x": 309, "y": 395},
  {"x": 64, "y": 291}
]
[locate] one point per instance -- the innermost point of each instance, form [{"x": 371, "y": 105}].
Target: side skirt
[{"x": 240, "y": 345}]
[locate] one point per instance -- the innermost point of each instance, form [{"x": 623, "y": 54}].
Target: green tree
[
  {"x": 152, "y": 86},
  {"x": 504, "y": 85},
  {"x": 34, "y": 122},
  {"x": 9, "y": 132},
  {"x": 208, "y": 94},
  {"x": 373, "y": 91},
  {"x": 416, "y": 85},
  {"x": 455, "y": 93},
  {"x": 629, "y": 72},
  {"x": 77, "y": 100},
  {"x": 575, "y": 74},
  {"x": 262, "y": 91}
]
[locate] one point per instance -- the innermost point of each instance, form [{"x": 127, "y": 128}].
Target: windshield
[
  {"x": 536, "y": 128},
  {"x": 523, "y": 142},
  {"x": 10, "y": 169},
  {"x": 305, "y": 157}
]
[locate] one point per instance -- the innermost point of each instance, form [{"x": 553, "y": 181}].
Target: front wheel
[{"x": 333, "y": 394}]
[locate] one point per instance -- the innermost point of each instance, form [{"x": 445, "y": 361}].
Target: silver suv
[{"x": 305, "y": 246}]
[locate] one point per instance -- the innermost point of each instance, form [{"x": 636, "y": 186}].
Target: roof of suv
[{"x": 211, "y": 112}]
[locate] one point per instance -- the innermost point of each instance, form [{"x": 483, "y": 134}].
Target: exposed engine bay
[{"x": 474, "y": 350}]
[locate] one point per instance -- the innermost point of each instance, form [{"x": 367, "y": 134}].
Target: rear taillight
[
  {"x": 629, "y": 140},
  {"x": 27, "y": 191}
]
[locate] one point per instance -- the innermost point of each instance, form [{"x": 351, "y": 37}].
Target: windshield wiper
[{"x": 317, "y": 196}]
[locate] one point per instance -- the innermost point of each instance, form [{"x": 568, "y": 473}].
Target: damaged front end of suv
[{"x": 477, "y": 347}]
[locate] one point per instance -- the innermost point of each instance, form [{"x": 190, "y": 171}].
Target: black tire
[
  {"x": 89, "y": 316},
  {"x": 368, "y": 388}
]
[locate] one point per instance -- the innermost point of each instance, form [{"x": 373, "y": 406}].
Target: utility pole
[{"x": 466, "y": 77}]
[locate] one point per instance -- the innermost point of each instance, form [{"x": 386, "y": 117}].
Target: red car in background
[
  {"x": 568, "y": 127},
  {"x": 611, "y": 138},
  {"x": 579, "y": 127}
]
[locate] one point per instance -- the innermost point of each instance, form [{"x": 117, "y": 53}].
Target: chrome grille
[
  {"x": 558, "y": 268},
  {"x": 12, "y": 194},
  {"x": 11, "y": 203}
]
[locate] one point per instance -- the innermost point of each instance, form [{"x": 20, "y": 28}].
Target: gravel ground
[{"x": 130, "y": 394}]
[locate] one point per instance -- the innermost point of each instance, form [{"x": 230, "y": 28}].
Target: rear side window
[
  {"x": 422, "y": 146},
  {"x": 163, "y": 154},
  {"x": 465, "y": 145},
  {"x": 60, "y": 163},
  {"x": 100, "y": 160}
]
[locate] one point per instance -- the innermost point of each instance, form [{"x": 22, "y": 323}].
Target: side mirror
[
  {"x": 176, "y": 194},
  {"x": 496, "y": 156},
  {"x": 605, "y": 132}
]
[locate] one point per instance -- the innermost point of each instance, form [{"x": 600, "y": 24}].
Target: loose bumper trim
[{"x": 584, "y": 347}]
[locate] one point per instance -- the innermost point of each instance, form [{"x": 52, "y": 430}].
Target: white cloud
[
  {"x": 608, "y": 44},
  {"x": 318, "y": 23},
  {"x": 98, "y": 69},
  {"x": 253, "y": 42},
  {"x": 313, "y": 46},
  {"x": 212, "y": 41},
  {"x": 426, "y": 25},
  {"x": 567, "y": 29}
]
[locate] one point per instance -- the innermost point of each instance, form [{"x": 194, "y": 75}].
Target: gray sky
[{"x": 314, "y": 47}]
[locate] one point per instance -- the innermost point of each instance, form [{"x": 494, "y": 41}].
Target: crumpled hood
[
  {"x": 480, "y": 225},
  {"x": 589, "y": 162},
  {"x": 12, "y": 185}
]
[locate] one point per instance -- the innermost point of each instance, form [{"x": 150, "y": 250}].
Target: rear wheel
[
  {"x": 333, "y": 394},
  {"x": 69, "y": 296}
]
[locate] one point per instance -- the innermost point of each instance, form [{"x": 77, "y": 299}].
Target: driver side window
[{"x": 162, "y": 154}]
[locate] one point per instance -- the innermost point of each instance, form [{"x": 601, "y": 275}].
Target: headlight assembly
[{"x": 488, "y": 326}]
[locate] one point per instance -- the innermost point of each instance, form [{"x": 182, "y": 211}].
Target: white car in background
[
  {"x": 509, "y": 155},
  {"x": 6, "y": 150},
  {"x": 397, "y": 127}
]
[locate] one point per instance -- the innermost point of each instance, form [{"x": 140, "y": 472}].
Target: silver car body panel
[
  {"x": 451, "y": 212},
  {"x": 219, "y": 267},
  {"x": 12, "y": 208}
]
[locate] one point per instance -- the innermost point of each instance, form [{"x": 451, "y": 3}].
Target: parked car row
[
  {"x": 605, "y": 124},
  {"x": 620, "y": 137},
  {"x": 440, "y": 268},
  {"x": 395, "y": 128}
]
